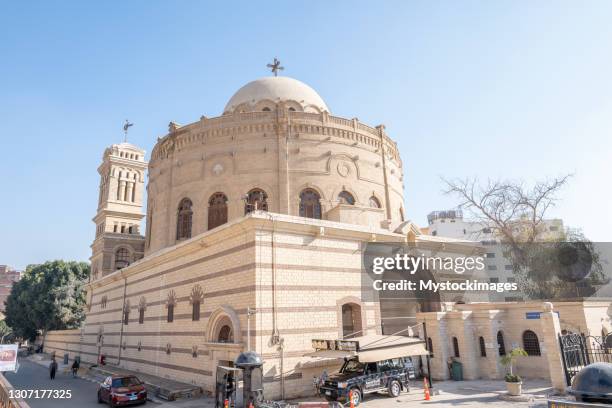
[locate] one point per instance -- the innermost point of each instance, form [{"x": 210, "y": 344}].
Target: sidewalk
[
  {"x": 158, "y": 389},
  {"x": 484, "y": 394},
  {"x": 479, "y": 393}
]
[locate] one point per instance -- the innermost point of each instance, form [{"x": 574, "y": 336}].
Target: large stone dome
[{"x": 258, "y": 94}]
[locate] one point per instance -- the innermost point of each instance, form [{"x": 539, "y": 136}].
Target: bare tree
[
  {"x": 513, "y": 211},
  {"x": 565, "y": 265}
]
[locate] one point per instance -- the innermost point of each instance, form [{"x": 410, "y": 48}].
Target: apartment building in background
[
  {"x": 451, "y": 224},
  {"x": 8, "y": 276}
]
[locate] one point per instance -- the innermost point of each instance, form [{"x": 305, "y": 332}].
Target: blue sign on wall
[{"x": 536, "y": 315}]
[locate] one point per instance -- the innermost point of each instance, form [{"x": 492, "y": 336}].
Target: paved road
[{"x": 32, "y": 376}]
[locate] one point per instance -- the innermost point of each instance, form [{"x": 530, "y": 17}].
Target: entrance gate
[{"x": 578, "y": 351}]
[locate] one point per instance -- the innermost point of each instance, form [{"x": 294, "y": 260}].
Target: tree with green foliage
[
  {"x": 508, "y": 361},
  {"x": 49, "y": 296},
  {"x": 5, "y": 331}
]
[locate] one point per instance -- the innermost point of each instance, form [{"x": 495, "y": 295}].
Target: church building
[{"x": 256, "y": 222}]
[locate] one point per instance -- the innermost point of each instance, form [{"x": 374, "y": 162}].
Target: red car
[{"x": 119, "y": 390}]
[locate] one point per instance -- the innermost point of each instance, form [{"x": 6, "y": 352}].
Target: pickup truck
[{"x": 355, "y": 379}]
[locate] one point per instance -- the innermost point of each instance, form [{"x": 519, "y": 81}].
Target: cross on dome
[{"x": 275, "y": 67}]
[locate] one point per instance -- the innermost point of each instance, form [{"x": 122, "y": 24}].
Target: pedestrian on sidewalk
[
  {"x": 52, "y": 368},
  {"x": 75, "y": 368}
]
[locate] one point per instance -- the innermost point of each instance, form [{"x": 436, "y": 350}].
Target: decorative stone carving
[
  {"x": 171, "y": 300},
  {"x": 343, "y": 169},
  {"x": 142, "y": 304},
  {"x": 217, "y": 169},
  {"x": 197, "y": 295}
]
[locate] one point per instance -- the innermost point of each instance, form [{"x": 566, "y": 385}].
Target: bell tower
[{"x": 118, "y": 240}]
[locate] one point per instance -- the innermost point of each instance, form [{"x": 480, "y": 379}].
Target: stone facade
[
  {"x": 297, "y": 274},
  {"x": 281, "y": 147},
  {"x": 502, "y": 327},
  {"x": 256, "y": 225},
  {"x": 118, "y": 241}
]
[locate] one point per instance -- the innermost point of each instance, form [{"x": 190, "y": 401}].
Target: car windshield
[
  {"x": 352, "y": 366},
  {"x": 125, "y": 382}
]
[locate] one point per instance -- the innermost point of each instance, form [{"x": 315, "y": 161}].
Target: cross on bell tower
[{"x": 275, "y": 67}]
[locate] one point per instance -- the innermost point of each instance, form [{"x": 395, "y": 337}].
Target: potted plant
[{"x": 513, "y": 381}]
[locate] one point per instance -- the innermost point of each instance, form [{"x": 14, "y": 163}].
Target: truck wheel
[
  {"x": 355, "y": 396},
  {"x": 394, "y": 389}
]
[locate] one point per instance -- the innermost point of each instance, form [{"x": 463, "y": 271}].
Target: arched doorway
[{"x": 351, "y": 320}]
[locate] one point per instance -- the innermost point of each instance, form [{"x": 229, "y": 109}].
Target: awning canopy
[{"x": 378, "y": 347}]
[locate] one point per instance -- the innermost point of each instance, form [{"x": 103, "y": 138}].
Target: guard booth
[
  {"x": 228, "y": 387},
  {"x": 242, "y": 385}
]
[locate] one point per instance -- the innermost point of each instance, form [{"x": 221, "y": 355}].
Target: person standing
[
  {"x": 75, "y": 368},
  {"x": 53, "y": 368}
]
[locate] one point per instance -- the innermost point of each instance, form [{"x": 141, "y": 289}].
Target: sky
[{"x": 515, "y": 90}]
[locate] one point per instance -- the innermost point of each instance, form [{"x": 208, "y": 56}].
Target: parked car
[
  {"x": 357, "y": 379},
  {"x": 118, "y": 390}
]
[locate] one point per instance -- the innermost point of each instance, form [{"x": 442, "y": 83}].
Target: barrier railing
[{"x": 6, "y": 390}]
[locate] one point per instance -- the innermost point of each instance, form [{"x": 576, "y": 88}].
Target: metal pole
[
  {"x": 428, "y": 354},
  {"x": 122, "y": 318},
  {"x": 250, "y": 311}
]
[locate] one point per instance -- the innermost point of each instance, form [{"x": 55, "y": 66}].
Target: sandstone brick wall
[
  {"x": 469, "y": 322},
  {"x": 314, "y": 276},
  {"x": 235, "y": 153},
  {"x": 63, "y": 342}
]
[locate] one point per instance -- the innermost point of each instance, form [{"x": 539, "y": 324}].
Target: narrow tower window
[{"x": 184, "y": 218}]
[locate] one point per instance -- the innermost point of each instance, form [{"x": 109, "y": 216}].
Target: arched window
[
  {"x": 170, "y": 316},
  {"x": 310, "y": 204},
  {"x": 170, "y": 303},
  {"x": 122, "y": 258},
  {"x": 456, "y": 347},
  {"x": 531, "y": 343},
  {"x": 217, "y": 210},
  {"x": 346, "y": 198},
  {"x": 226, "y": 335},
  {"x": 483, "y": 350},
  {"x": 183, "y": 222},
  {"x": 256, "y": 200},
  {"x": 351, "y": 320},
  {"x": 266, "y": 109},
  {"x": 501, "y": 346},
  {"x": 196, "y": 297},
  {"x": 374, "y": 202}
]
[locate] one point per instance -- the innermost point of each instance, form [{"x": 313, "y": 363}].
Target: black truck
[{"x": 356, "y": 379}]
